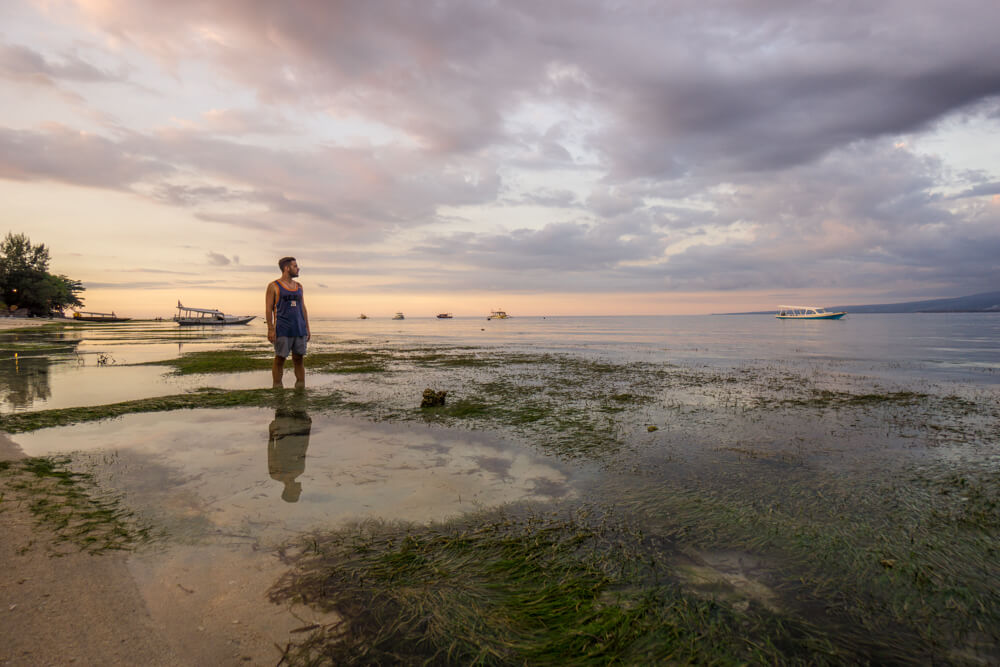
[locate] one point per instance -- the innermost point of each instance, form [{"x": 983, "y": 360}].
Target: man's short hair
[{"x": 285, "y": 261}]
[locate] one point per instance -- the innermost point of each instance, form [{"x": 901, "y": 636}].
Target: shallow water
[
  {"x": 267, "y": 474},
  {"x": 849, "y": 433},
  {"x": 91, "y": 366}
]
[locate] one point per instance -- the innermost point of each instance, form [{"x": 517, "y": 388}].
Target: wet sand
[
  {"x": 10, "y": 323},
  {"x": 61, "y": 606},
  {"x": 79, "y": 609}
]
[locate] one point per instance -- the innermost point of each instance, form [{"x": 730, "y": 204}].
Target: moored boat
[
  {"x": 806, "y": 313},
  {"x": 362, "y": 316},
  {"x": 444, "y": 316},
  {"x": 99, "y": 317},
  {"x": 398, "y": 316},
  {"x": 498, "y": 315},
  {"x": 187, "y": 316}
]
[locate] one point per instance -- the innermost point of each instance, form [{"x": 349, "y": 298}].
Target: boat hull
[
  {"x": 822, "y": 316},
  {"x": 102, "y": 319},
  {"x": 209, "y": 322}
]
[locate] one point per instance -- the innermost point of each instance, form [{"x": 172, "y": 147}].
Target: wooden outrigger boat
[
  {"x": 398, "y": 316},
  {"x": 806, "y": 313},
  {"x": 444, "y": 316},
  {"x": 498, "y": 315},
  {"x": 207, "y": 317},
  {"x": 99, "y": 317}
]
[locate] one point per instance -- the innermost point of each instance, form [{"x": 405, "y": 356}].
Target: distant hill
[{"x": 987, "y": 302}]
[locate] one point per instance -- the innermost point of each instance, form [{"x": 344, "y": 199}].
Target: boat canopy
[
  {"x": 808, "y": 309},
  {"x": 207, "y": 311}
]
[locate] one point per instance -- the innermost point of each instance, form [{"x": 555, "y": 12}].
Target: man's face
[{"x": 293, "y": 270}]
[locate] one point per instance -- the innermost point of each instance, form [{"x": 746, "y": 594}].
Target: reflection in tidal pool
[
  {"x": 247, "y": 471},
  {"x": 286, "y": 449}
]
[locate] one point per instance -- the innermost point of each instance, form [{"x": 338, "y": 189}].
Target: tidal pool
[{"x": 264, "y": 474}]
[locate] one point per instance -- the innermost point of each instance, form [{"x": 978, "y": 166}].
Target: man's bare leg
[
  {"x": 300, "y": 370},
  {"x": 277, "y": 370}
]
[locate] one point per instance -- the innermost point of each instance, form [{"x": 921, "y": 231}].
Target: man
[{"x": 287, "y": 321}]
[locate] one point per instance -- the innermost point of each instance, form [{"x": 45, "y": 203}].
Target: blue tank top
[{"x": 290, "y": 321}]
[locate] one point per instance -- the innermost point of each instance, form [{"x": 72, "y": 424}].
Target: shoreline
[{"x": 17, "y": 323}]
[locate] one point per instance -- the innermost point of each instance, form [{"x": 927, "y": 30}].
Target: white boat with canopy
[
  {"x": 187, "y": 316},
  {"x": 806, "y": 313}
]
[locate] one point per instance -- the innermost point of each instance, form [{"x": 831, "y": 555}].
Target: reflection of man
[{"x": 288, "y": 439}]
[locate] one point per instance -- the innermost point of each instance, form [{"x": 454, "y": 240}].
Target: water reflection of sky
[{"x": 231, "y": 470}]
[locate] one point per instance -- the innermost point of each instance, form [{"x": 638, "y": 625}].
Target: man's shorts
[{"x": 285, "y": 344}]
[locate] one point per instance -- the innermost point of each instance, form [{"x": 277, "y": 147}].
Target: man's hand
[
  {"x": 309, "y": 335},
  {"x": 270, "y": 334}
]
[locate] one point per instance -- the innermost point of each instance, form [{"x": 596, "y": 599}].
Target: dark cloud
[
  {"x": 20, "y": 63},
  {"x": 218, "y": 259}
]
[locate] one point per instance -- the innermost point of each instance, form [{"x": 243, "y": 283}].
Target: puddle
[
  {"x": 228, "y": 485},
  {"x": 266, "y": 474},
  {"x": 42, "y": 384}
]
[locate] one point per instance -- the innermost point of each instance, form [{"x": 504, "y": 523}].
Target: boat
[
  {"x": 187, "y": 316},
  {"x": 99, "y": 317},
  {"x": 806, "y": 313},
  {"x": 398, "y": 316},
  {"x": 444, "y": 316},
  {"x": 498, "y": 315},
  {"x": 362, "y": 316}
]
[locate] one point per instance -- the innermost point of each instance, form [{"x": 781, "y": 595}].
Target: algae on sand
[
  {"x": 498, "y": 589},
  {"x": 70, "y": 504}
]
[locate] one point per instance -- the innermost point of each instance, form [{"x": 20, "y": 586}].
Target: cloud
[
  {"x": 695, "y": 146},
  {"x": 218, "y": 259},
  {"x": 59, "y": 153},
  {"x": 20, "y": 63}
]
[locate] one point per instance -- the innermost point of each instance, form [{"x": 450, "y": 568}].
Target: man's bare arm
[
  {"x": 270, "y": 300},
  {"x": 305, "y": 314}
]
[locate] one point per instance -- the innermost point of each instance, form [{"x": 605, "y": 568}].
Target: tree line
[{"x": 25, "y": 281}]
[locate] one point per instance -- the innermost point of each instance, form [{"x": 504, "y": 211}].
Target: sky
[{"x": 547, "y": 158}]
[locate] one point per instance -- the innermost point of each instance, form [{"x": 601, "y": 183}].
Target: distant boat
[
  {"x": 207, "y": 317},
  {"x": 806, "y": 313},
  {"x": 99, "y": 317},
  {"x": 362, "y": 316},
  {"x": 398, "y": 316},
  {"x": 498, "y": 315},
  {"x": 444, "y": 316}
]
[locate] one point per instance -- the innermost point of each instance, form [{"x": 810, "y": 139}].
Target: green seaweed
[
  {"x": 234, "y": 360},
  {"x": 70, "y": 505},
  {"x": 497, "y": 589}
]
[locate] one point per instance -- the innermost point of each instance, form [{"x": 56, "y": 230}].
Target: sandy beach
[
  {"x": 12, "y": 323},
  {"x": 62, "y": 605}
]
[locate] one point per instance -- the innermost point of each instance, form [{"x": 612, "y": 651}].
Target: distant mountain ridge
[{"x": 986, "y": 302}]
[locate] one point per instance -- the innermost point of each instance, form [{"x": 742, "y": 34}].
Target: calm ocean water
[
  {"x": 95, "y": 364},
  {"x": 962, "y": 345}
]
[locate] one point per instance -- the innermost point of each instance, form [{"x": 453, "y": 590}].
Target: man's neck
[{"x": 286, "y": 280}]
